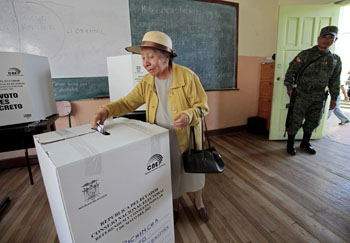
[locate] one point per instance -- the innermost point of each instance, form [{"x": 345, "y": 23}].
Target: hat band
[{"x": 158, "y": 46}]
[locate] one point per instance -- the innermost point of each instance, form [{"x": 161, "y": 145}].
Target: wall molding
[
  {"x": 18, "y": 162},
  {"x": 227, "y": 130}
]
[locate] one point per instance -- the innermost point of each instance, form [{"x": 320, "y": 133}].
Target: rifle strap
[{"x": 306, "y": 65}]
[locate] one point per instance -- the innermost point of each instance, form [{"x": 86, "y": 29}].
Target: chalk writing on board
[
  {"x": 204, "y": 35},
  {"x": 77, "y": 36},
  {"x": 80, "y": 88}
]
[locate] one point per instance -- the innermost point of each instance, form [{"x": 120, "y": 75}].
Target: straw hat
[{"x": 155, "y": 39}]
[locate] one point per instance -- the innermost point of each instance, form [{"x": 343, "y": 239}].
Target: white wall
[{"x": 257, "y": 27}]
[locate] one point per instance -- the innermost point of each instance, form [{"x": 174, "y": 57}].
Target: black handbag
[{"x": 202, "y": 161}]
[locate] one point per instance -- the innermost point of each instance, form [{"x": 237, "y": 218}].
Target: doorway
[
  {"x": 342, "y": 46},
  {"x": 336, "y": 132},
  {"x": 298, "y": 29}
]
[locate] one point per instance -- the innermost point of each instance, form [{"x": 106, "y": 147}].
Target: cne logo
[
  {"x": 14, "y": 72},
  {"x": 91, "y": 190},
  {"x": 155, "y": 162}
]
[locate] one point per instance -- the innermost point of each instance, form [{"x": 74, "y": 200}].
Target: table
[{"x": 20, "y": 136}]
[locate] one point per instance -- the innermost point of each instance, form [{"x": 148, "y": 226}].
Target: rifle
[
  {"x": 296, "y": 79},
  {"x": 290, "y": 106}
]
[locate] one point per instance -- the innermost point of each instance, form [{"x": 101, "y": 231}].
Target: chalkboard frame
[
  {"x": 70, "y": 88},
  {"x": 220, "y": 76},
  {"x": 235, "y": 5}
]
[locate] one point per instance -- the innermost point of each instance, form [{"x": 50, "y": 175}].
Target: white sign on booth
[
  {"x": 124, "y": 73},
  {"x": 26, "y": 92}
]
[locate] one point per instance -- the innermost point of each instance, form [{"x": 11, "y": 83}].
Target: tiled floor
[{"x": 336, "y": 132}]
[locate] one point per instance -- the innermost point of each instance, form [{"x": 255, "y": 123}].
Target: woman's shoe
[{"x": 203, "y": 214}]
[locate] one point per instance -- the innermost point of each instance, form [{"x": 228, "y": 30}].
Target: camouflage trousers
[{"x": 308, "y": 107}]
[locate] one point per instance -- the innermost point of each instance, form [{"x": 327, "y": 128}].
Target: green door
[{"x": 298, "y": 29}]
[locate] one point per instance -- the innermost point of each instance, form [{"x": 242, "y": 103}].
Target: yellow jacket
[{"x": 185, "y": 96}]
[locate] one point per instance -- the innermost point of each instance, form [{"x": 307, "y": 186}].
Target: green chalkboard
[
  {"x": 80, "y": 88},
  {"x": 204, "y": 35}
]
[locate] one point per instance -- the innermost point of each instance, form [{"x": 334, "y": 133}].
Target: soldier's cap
[{"x": 329, "y": 30}]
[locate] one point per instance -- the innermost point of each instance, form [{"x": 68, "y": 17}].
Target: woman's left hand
[{"x": 181, "y": 121}]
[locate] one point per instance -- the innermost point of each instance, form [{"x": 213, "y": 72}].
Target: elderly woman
[{"x": 172, "y": 94}]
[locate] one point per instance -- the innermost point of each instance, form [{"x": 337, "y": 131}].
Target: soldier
[{"x": 322, "y": 70}]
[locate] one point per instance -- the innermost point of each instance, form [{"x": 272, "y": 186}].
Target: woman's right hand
[{"x": 100, "y": 117}]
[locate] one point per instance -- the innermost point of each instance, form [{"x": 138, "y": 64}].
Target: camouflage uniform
[{"x": 310, "y": 91}]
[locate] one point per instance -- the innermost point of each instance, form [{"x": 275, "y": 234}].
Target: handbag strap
[
  {"x": 190, "y": 142},
  {"x": 206, "y": 129},
  {"x": 193, "y": 137}
]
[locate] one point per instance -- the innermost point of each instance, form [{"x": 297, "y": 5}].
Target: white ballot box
[
  {"x": 26, "y": 92},
  {"x": 109, "y": 188},
  {"x": 124, "y": 73}
]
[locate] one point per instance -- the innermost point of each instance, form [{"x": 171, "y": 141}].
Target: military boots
[
  {"x": 290, "y": 145},
  {"x": 305, "y": 144}
]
